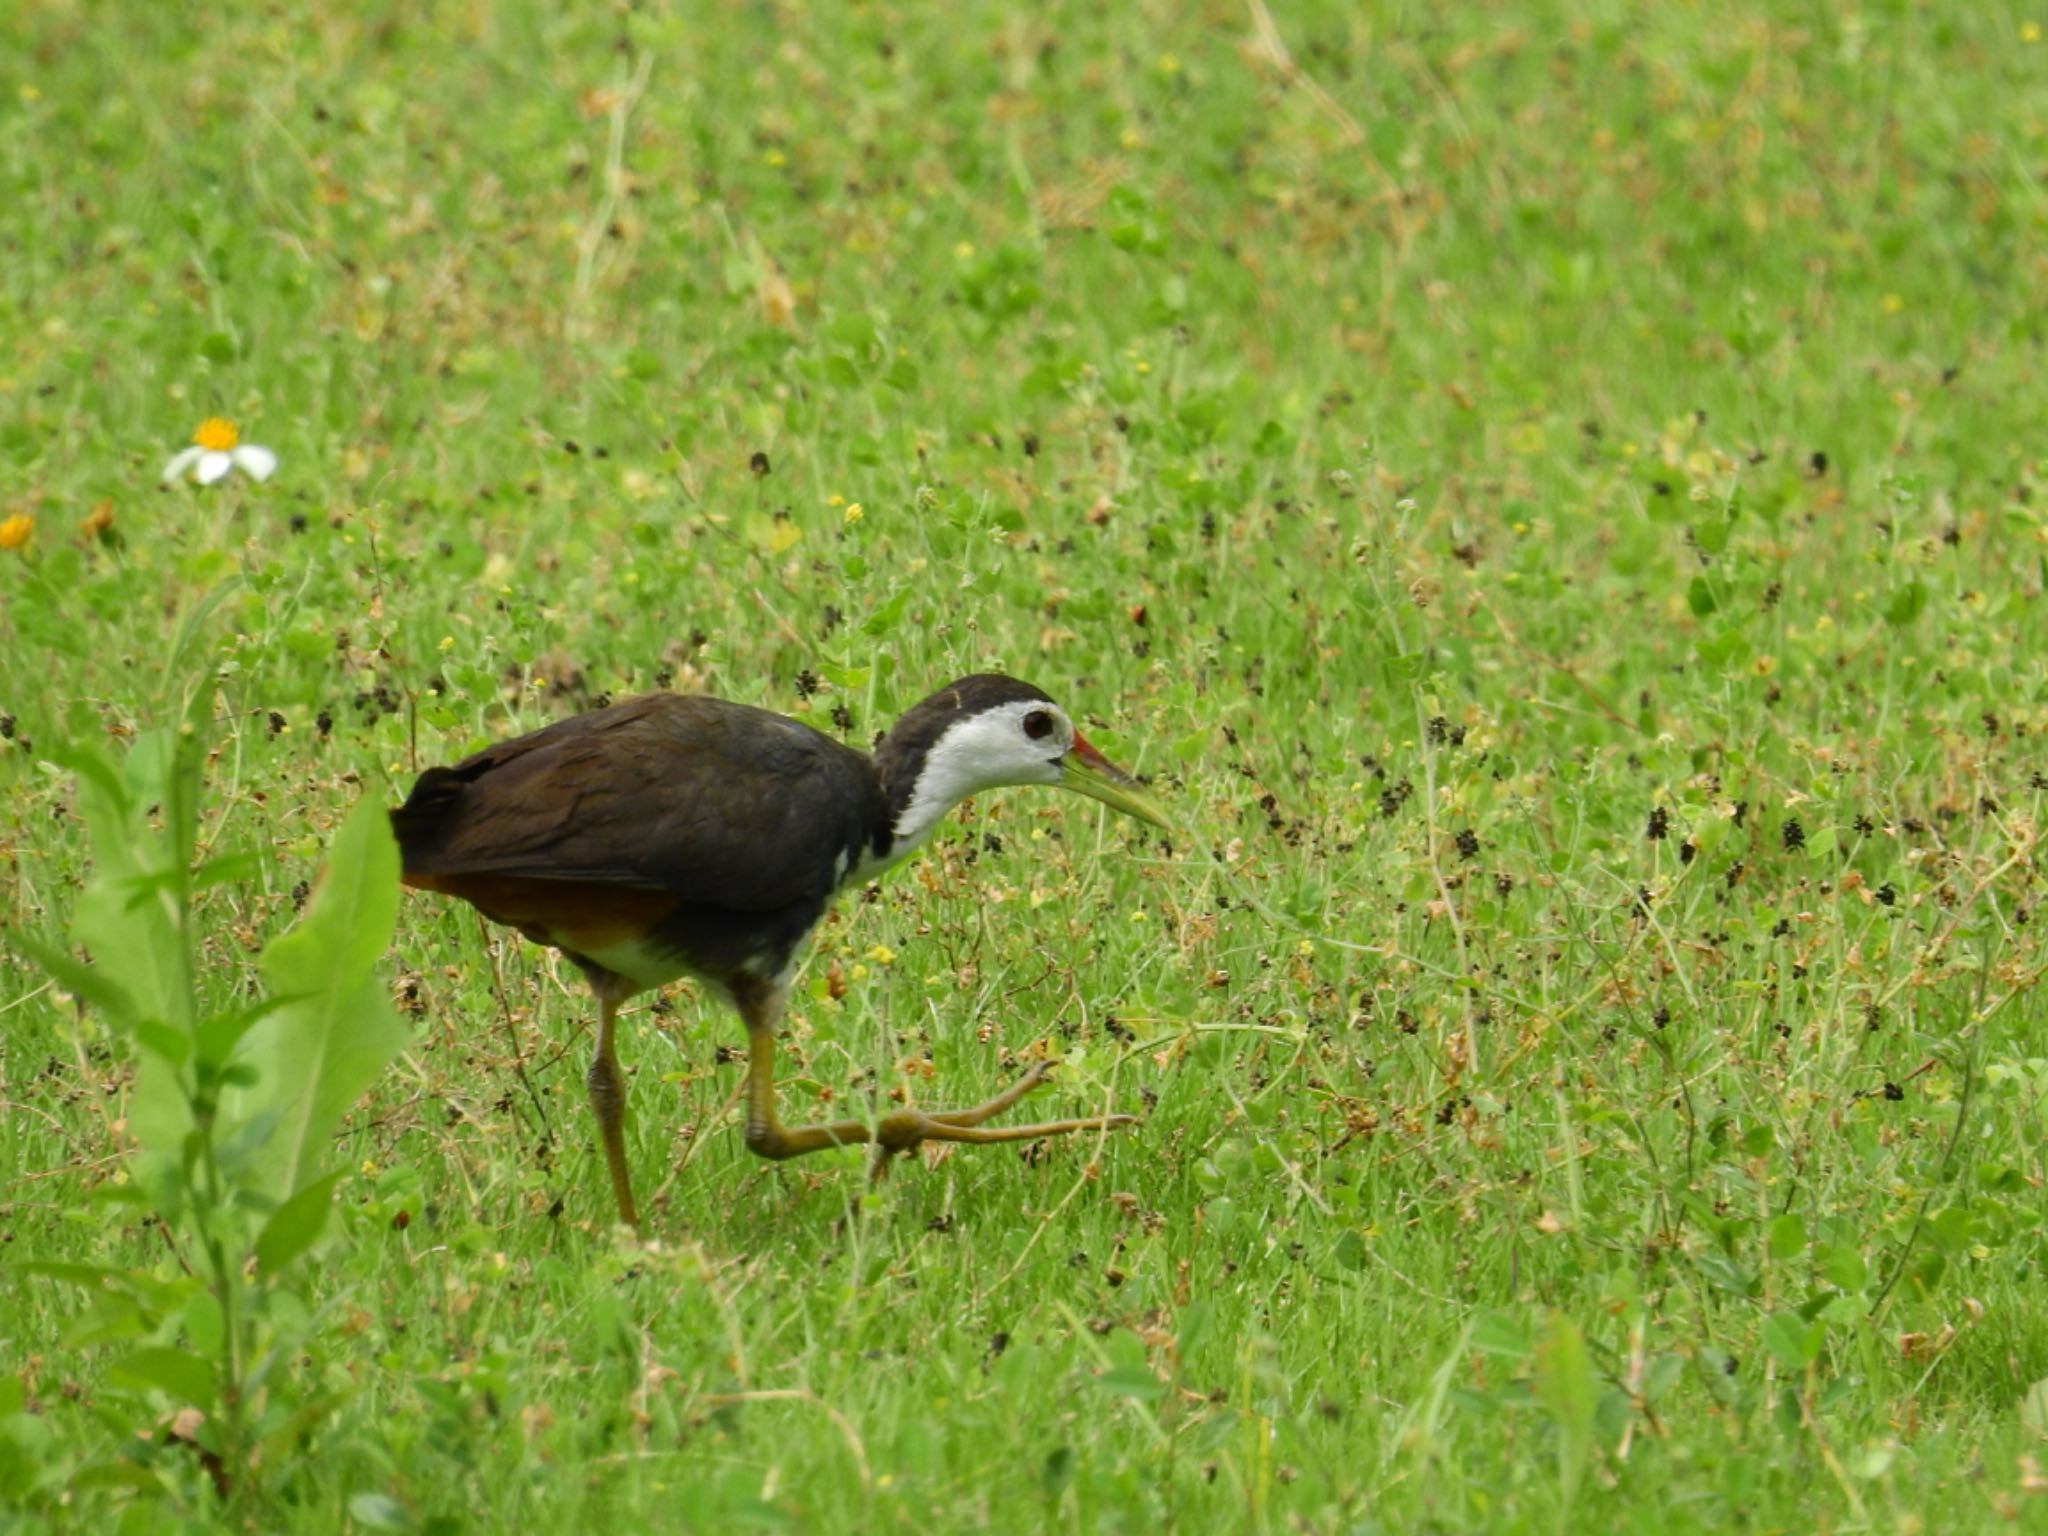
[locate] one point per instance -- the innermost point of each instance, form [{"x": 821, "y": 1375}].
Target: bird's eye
[{"x": 1038, "y": 724}]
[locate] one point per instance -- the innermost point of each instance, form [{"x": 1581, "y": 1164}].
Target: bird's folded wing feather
[{"x": 714, "y": 802}]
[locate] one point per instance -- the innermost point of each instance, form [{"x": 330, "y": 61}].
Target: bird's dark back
[{"x": 719, "y": 803}]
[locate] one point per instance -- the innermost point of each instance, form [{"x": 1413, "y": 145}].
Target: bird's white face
[
  {"x": 1027, "y": 741},
  {"x": 1017, "y": 743}
]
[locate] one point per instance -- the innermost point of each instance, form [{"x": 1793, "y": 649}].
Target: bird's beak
[{"x": 1087, "y": 772}]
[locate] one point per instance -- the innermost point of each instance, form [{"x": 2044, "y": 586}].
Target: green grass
[{"x": 1551, "y": 493}]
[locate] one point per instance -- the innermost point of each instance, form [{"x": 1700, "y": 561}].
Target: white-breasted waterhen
[{"x": 674, "y": 835}]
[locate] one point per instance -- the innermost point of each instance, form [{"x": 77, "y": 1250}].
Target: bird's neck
[{"x": 921, "y": 783}]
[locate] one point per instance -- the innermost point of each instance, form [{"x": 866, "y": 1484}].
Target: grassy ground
[{"x": 1550, "y": 492}]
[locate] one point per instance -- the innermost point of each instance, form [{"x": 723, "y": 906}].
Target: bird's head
[{"x": 987, "y": 731}]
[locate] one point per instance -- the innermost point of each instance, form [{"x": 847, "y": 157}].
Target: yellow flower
[
  {"x": 854, "y": 512},
  {"x": 16, "y": 531},
  {"x": 882, "y": 954},
  {"x": 217, "y": 448}
]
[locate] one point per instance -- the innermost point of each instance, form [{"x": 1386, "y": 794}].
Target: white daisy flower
[{"x": 217, "y": 448}]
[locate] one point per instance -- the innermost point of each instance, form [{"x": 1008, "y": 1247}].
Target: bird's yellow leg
[{"x": 607, "y": 1087}]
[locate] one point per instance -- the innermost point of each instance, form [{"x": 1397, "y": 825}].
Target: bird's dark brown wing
[{"x": 714, "y": 803}]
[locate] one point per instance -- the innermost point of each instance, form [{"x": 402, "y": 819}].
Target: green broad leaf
[
  {"x": 228, "y": 869},
  {"x": 1664, "y": 1373},
  {"x": 141, "y": 949},
  {"x": 1791, "y": 1340},
  {"x": 99, "y": 776},
  {"x": 2034, "y": 1410},
  {"x": 1404, "y": 666},
  {"x": 91, "y": 982},
  {"x": 888, "y": 615},
  {"x": 1349, "y": 1251},
  {"x": 1700, "y": 597},
  {"x": 1788, "y": 1237},
  {"x": 1567, "y": 1388},
  {"x": 1057, "y": 1472},
  {"x": 167, "y": 762},
  {"x": 314, "y": 1055},
  {"x": 114, "y": 1317},
  {"x": 205, "y": 1324},
  {"x": 1484, "y": 1405},
  {"x": 1133, "y": 1381},
  {"x": 159, "y": 1039},
  {"x": 124, "y": 1475},
  {"x": 855, "y": 331},
  {"x": 1728, "y": 650},
  {"x": 1906, "y": 604},
  {"x": 286, "y": 1435},
  {"x": 296, "y": 1225},
  {"x": 1499, "y": 1333},
  {"x": 219, "y": 1033},
  {"x": 1952, "y": 1228},
  {"x": 91, "y": 1276},
  {"x": 178, "y": 1372},
  {"x": 378, "y": 1512}
]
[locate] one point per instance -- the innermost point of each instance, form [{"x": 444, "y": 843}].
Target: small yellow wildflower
[
  {"x": 2030, "y": 32},
  {"x": 217, "y": 448},
  {"x": 854, "y": 513},
  {"x": 882, "y": 954},
  {"x": 1892, "y": 304},
  {"x": 17, "y": 531}
]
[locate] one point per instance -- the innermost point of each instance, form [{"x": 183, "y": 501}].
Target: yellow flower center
[{"x": 216, "y": 435}]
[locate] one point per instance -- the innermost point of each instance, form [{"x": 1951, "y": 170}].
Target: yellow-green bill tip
[{"x": 1087, "y": 772}]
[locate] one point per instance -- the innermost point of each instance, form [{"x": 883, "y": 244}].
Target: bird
[{"x": 674, "y": 835}]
